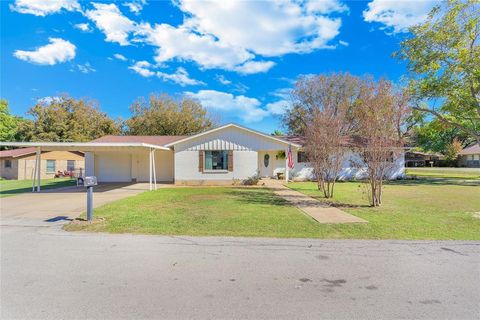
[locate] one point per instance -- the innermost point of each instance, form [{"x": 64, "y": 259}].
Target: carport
[{"x": 113, "y": 165}]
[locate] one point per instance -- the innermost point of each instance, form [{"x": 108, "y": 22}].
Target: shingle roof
[
  {"x": 293, "y": 139},
  {"x": 155, "y": 140},
  {"x": 473, "y": 149},
  {"x": 16, "y": 152}
]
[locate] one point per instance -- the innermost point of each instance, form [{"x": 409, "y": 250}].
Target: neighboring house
[
  {"x": 422, "y": 159},
  {"x": 470, "y": 157},
  {"x": 224, "y": 155},
  {"x": 20, "y": 163}
]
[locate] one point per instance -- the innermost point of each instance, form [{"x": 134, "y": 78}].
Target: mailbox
[{"x": 90, "y": 181}]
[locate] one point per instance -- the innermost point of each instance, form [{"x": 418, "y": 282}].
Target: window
[
  {"x": 301, "y": 157},
  {"x": 50, "y": 166},
  {"x": 70, "y": 165},
  {"x": 216, "y": 160},
  {"x": 8, "y": 163}
]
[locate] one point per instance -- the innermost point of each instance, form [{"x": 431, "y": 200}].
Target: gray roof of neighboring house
[
  {"x": 473, "y": 149},
  {"x": 20, "y": 152},
  {"x": 14, "y": 153}
]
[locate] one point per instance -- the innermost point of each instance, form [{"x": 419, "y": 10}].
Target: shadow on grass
[
  {"x": 435, "y": 181},
  {"x": 258, "y": 196}
]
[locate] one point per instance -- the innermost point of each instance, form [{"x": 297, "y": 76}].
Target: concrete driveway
[{"x": 57, "y": 206}]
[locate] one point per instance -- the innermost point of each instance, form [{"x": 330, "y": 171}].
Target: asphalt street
[{"x": 47, "y": 273}]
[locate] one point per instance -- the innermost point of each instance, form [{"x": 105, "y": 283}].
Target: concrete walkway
[{"x": 317, "y": 210}]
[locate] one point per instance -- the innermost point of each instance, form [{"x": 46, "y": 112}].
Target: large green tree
[
  {"x": 438, "y": 136},
  {"x": 164, "y": 115},
  {"x": 313, "y": 93},
  {"x": 443, "y": 56},
  {"x": 67, "y": 119},
  {"x": 8, "y": 122}
]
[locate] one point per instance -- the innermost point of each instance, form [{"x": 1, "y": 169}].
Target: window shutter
[
  {"x": 230, "y": 160},
  {"x": 201, "y": 155}
]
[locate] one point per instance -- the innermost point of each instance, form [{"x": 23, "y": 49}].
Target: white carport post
[
  {"x": 150, "y": 167},
  {"x": 37, "y": 170},
  {"x": 154, "y": 170},
  {"x": 34, "y": 176}
]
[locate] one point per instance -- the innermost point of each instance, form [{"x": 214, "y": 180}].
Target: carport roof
[{"x": 84, "y": 146}]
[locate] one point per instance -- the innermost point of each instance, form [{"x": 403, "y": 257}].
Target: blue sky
[{"x": 239, "y": 58}]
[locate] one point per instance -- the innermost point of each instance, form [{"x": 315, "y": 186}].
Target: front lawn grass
[
  {"x": 451, "y": 173},
  {"x": 13, "y": 187},
  {"x": 211, "y": 211},
  {"x": 411, "y": 210}
]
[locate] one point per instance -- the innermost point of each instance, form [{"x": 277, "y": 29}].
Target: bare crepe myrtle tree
[
  {"x": 328, "y": 101},
  {"x": 380, "y": 116}
]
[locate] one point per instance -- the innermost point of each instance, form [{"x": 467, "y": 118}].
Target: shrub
[{"x": 252, "y": 181}]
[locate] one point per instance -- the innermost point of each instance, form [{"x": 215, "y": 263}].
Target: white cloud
[
  {"x": 240, "y": 36},
  {"x": 135, "y": 6},
  {"x": 278, "y": 107},
  {"x": 221, "y": 78},
  {"x": 398, "y": 15},
  {"x": 111, "y": 22},
  {"x": 180, "y": 77},
  {"x": 85, "y": 27},
  {"x": 143, "y": 69},
  {"x": 85, "y": 68},
  {"x": 247, "y": 109},
  {"x": 343, "y": 43},
  {"x": 326, "y": 6},
  {"x": 44, "y": 7},
  {"x": 49, "y": 99},
  {"x": 268, "y": 28},
  {"x": 282, "y": 93},
  {"x": 234, "y": 35},
  {"x": 240, "y": 87},
  {"x": 182, "y": 44},
  {"x": 57, "y": 51},
  {"x": 120, "y": 57},
  {"x": 250, "y": 67}
]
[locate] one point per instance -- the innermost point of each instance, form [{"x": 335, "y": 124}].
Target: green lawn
[
  {"x": 454, "y": 173},
  {"x": 13, "y": 187},
  {"x": 412, "y": 210},
  {"x": 211, "y": 211},
  {"x": 418, "y": 209}
]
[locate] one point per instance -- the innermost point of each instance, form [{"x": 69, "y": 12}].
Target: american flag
[{"x": 290, "y": 157}]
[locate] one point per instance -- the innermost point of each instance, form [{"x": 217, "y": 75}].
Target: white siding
[
  {"x": 244, "y": 144},
  {"x": 303, "y": 171},
  {"x": 231, "y": 138},
  {"x": 186, "y": 167}
]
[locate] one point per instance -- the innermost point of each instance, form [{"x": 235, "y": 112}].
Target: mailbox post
[{"x": 89, "y": 182}]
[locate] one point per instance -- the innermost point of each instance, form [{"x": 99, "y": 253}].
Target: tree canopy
[
  {"x": 67, "y": 119},
  {"x": 8, "y": 123},
  {"x": 443, "y": 57},
  {"x": 313, "y": 93},
  {"x": 163, "y": 115},
  {"x": 437, "y": 136}
]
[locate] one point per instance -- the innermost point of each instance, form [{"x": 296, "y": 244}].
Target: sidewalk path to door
[{"x": 319, "y": 211}]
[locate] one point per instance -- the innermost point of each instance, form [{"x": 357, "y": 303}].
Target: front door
[{"x": 266, "y": 164}]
